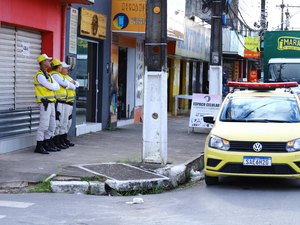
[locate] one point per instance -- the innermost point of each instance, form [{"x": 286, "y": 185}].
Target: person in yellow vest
[
  {"x": 71, "y": 93},
  {"x": 61, "y": 98},
  {"x": 44, "y": 87}
]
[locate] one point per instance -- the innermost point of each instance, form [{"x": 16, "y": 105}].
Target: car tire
[{"x": 211, "y": 180}]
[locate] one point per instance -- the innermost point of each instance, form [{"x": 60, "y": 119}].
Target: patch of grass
[
  {"x": 156, "y": 190},
  {"x": 41, "y": 187}
]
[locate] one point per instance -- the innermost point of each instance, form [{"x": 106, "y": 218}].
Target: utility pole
[
  {"x": 263, "y": 27},
  {"x": 287, "y": 14},
  {"x": 155, "y": 115},
  {"x": 282, "y": 7},
  {"x": 263, "y": 17},
  {"x": 215, "y": 68}
]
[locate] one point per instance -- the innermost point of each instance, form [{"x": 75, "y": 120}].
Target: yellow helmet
[
  {"x": 42, "y": 58},
  {"x": 56, "y": 62}
]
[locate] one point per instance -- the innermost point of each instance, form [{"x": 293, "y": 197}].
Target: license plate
[{"x": 257, "y": 161}]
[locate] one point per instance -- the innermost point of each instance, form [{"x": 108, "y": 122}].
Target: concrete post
[
  {"x": 155, "y": 86},
  {"x": 155, "y": 118}
]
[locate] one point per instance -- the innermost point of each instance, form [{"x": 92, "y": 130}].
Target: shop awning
[{"x": 85, "y": 2}]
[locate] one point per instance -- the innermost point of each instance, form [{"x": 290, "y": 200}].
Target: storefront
[
  {"x": 88, "y": 51},
  {"x": 234, "y": 64},
  {"x": 128, "y": 21},
  {"x": 188, "y": 64},
  {"x": 27, "y": 29}
]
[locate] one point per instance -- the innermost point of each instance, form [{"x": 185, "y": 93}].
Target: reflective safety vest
[
  {"x": 70, "y": 93},
  {"x": 61, "y": 94},
  {"x": 41, "y": 91}
]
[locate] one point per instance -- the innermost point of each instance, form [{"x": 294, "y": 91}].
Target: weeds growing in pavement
[
  {"x": 43, "y": 186},
  {"x": 156, "y": 190}
]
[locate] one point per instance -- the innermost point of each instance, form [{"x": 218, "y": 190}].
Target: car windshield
[
  {"x": 261, "y": 109},
  {"x": 284, "y": 72}
]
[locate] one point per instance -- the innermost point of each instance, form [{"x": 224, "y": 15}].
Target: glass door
[{"x": 86, "y": 76}]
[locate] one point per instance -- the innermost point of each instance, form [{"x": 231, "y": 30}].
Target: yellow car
[{"x": 256, "y": 133}]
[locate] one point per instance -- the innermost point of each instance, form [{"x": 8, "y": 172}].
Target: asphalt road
[{"x": 234, "y": 202}]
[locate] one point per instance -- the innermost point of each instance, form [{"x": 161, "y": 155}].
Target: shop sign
[
  {"x": 288, "y": 43},
  {"x": 203, "y": 104},
  {"x": 252, "y": 47},
  {"x": 196, "y": 43},
  {"x": 129, "y": 16},
  {"x": 73, "y": 31},
  {"x": 236, "y": 70},
  {"x": 92, "y": 24},
  {"x": 253, "y": 76}
]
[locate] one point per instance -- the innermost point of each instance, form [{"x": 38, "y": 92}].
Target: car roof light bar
[{"x": 261, "y": 86}]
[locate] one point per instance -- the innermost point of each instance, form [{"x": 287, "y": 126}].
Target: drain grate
[{"x": 120, "y": 171}]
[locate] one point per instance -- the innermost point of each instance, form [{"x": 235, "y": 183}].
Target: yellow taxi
[{"x": 256, "y": 133}]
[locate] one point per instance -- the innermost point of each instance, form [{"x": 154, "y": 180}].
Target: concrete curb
[
  {"x": 138, "y": 185},
  {"x": 78, "y": 187},
  {"x": 181, "y": 174},
  {"x": 172, "y": 177}
]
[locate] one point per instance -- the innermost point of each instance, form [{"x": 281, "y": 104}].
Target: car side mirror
[{"x": 209, "y": 119}]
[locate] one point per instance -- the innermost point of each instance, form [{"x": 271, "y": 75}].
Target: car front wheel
[{"x": 211, "y": 180}]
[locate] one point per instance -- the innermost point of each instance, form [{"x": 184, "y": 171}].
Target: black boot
[
  {"x": 68, "y": 142},
  {"x": 62, "y": 141},
  {"x": 39, "y": 148},
  {"x": 57, "y": 142},
  {"x": 53, "y": 145},
  {"x": 47, "y": 146}
]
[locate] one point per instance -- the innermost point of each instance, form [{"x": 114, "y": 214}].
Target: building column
[{"x": 174, "y": 77}]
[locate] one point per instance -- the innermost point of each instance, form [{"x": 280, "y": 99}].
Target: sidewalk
[{"x": 123, "y": 145}]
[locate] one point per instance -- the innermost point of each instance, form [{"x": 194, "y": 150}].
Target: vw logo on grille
[{"x": 257, "y": 147}]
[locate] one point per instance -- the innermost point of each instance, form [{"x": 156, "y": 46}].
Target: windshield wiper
[
  {"x": 268, "y": 121},
  {"x": 252, "y": 111}
]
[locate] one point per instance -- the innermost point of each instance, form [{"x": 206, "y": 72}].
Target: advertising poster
[
  {"x": 203, "y": 105},
  {"x": 129, "y": 16},
  {"x": 252, "y": 47}
]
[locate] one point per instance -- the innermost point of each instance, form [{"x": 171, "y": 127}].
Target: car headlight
[
  {"x": 293, "y": 145},
  {"x": 218, "y": 143}
]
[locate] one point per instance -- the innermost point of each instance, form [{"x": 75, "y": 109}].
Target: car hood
[{"x": 279, "y": 132}]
